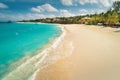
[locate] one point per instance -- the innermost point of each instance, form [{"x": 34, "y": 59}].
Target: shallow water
[{"x": 22, "y": 40}]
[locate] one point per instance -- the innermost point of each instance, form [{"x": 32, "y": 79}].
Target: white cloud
[
  {"x": 82, "y": 2},
  {"x": 3, "y": 5},
  {"x": 67, "y": 2},
  {"x": 45, "y": 7},
  {"x": 65, "y": 13},
  {"x": 31, "y": 16},
  {"x": 26, "y": 16},
  {"x": 104, "y": 3},
  {"x": 36, "y": 9},
  {"x": 83, "y": 11},
  {"x": 90, "y": 11}
]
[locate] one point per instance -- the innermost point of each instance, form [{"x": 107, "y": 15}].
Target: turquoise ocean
[{"x": 22, "y": 40}]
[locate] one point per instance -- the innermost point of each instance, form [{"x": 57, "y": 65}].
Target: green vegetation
[{"x": 110, "y": 18}]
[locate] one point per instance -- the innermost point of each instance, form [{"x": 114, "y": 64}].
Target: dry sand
[{"x": 90, "y": 53}]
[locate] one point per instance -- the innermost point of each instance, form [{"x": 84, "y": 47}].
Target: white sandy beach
[{"x": 85, "y": 53}]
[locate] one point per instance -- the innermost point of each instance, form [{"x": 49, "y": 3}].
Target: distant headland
[{"x": 6, "y": 21}]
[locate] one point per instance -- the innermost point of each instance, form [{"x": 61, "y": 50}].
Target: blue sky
[{"x": 35, "y": 9}]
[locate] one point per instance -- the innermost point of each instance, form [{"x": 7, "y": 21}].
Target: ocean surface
[{"x": 19, "y": 42}]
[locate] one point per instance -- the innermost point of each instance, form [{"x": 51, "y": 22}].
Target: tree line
[{"x": 110, "y": 18}]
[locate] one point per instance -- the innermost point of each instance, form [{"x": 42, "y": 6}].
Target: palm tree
[{"x": 116, "y": 8}]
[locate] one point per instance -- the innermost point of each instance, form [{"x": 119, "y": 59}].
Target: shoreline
[
  {"x": 35, "y": 61},
  {"x": 85, "y": 53},
  {"x": 101, "y": 26},
  {"x": 54, "y": 44}
]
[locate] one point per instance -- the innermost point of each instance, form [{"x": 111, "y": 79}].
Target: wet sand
[{"x": 85, "y": 53}]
